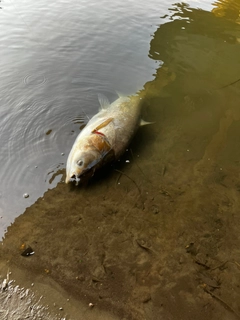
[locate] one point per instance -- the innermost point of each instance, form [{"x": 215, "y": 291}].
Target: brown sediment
[{"x": 149, "y": 246}]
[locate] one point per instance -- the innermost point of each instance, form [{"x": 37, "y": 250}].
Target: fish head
[
  {"x": 81, "y": 163},
  {"x": 87, "y": 155}
]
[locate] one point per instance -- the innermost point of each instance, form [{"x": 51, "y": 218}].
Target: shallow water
[{"x": 55, "y": 59}]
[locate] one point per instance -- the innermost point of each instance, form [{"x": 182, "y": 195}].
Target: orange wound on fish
[
  {"x": 98, "y": 132},
  {"x": 100, "y": 142}
]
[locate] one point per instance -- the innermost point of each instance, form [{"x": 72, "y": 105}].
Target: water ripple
[
  {"x": 34, "y": 80},
  {"x": 36, "y": 136}
]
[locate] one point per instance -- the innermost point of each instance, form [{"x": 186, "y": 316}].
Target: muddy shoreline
[{"x": 165, "y": 246}]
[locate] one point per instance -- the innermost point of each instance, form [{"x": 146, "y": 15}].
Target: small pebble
[
  {"x": 91, "y": 305},
  {"x": 127, "y": 161},
  {"x": 60, "y": 308},
  {"x": 32, "y": 284},
  {"x": 36, "y": 167},
  {"x": 26, "y": 195},
  {"x": 27, "y": 252},
  {"x": 62, "y": 154}
]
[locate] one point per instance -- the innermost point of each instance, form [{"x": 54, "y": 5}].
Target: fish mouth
[
  {"x": 82, "y": 178},
  {"x": 75, "y": 179}
]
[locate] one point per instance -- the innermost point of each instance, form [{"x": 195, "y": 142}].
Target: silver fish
[{"x": 104, "y": 138}]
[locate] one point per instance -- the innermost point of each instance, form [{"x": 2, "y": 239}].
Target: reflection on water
[
  {"x": 138, "y": 240},
  {"x": 27, "y": 305},
  {"x": 227, "y": 9},
  {"x": 198, "y": 52}
]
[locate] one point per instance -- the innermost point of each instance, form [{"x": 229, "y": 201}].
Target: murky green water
[{"x": 181, "y": 183}]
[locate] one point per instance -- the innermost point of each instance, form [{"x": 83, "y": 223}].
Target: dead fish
[{"x": 104, "y": 138}]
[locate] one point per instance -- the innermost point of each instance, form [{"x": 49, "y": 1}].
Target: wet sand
[{"x": 160, "y": 241}]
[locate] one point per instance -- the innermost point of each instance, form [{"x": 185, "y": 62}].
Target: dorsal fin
[
  {"x": 119, "y": 94},
  {"x": 103, "y": 100}
]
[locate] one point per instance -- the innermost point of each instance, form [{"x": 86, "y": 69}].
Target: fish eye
[{"x": 80, "y": 163}]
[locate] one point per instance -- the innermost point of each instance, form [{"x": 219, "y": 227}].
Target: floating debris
[
  {"x": 27, "y": 252},
  {"x": 48, "y": 132}
]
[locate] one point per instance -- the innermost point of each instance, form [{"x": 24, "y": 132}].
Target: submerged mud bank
[{"x": 161, "y": 245}]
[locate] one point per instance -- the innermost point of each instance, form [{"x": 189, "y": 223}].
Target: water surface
[{"x": 55, "y": 59}]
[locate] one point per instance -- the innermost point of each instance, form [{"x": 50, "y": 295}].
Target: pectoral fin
[
  {"x": 104, "y": 103},
  {"x": 103, "y": 124},
  {"x": 109, "y": 156}
]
